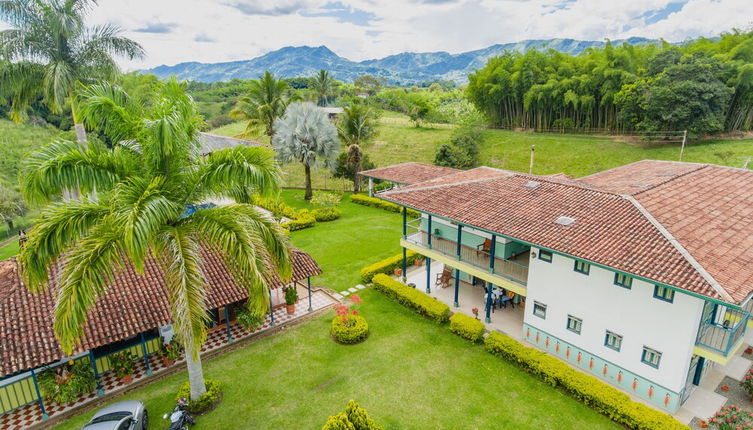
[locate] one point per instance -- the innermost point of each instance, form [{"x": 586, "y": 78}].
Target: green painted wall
[{"x": 471, "y": 240}]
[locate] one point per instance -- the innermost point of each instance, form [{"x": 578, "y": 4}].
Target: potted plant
[
  {"x": 291, "y": 298},
  {"x": 418, "y": 262},
  {"x": 475, "y": 312},
  {"x": 122, "y": 364},
  {"x": 747, "y": 383},
  {"x": 249, "y": 321},
  {"x": 398, "y": 272},
  {"x": 171, "y": 352}
]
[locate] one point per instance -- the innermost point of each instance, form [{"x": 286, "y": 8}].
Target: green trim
[{"x": 641, "y": 278}]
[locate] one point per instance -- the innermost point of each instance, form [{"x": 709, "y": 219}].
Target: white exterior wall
[{"x": 641, "y": 319}]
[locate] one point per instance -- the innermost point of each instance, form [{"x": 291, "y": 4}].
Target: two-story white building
[{"x": 641, "y": 275}]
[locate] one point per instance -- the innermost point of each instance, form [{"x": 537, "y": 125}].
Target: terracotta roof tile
[
  {"x": 639, "y": 176},
  {"x": 408, "y": 173},
  {"x": 139, "y": 303}
]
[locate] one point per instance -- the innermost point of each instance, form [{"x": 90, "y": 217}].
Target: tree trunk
[
  {"x": 356, "y": 184},
  {"x": 80, "y": 133},
  {"x": 195, "y": 373},
  {"x": 309, "y": 193},
  {"x": 10, "y": 224}
]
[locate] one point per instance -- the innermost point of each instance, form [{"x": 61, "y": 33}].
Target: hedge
[
  {"x": 207, "y": 400},
  {"x": 302, "y": 219},
  {"x": 467, "y": 327},
  {"x": 326, "y": 214},
  {"x": 354, "y": 418},
  {"x": 349, "y": 329},
  {"x": 381, "y": 204},
  {"x": 388, "y": 265},
  {"x": 598, "y": 395},
  {"x": 412, "y": 298}
]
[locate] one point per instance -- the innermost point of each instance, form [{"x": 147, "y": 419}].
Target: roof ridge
[
  {"x": 431, "y": 187},
  {"x": 681, "y": 175},
  {"x": 573, "y": 184},
  {"x": 681, "y": 249}
]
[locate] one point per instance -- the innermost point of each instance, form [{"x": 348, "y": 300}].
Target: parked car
[{"x": 127, "y": 415}]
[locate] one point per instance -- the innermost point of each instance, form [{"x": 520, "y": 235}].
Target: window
[
  {"x": 539, "y": 309},
  {"x": 623, "y": 281},
  {"x": 613, "y": 340},
  {"x": 574, "y": 324},
  {"x": 582, "y": 267},
  {"x": 545, "y": 255},
  {"x": 664, "y": 293},
  {"x": 651, "y": 357}
]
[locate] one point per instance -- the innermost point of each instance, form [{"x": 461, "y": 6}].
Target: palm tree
[
  {"x": 142, "y": 188},
  {"x": 54, "y": 52},
  {"x": 304, "y": 134},
  {"x": 355, "y": 128},
  {"x": 324, "y": 86},
  {"x": 265, "y": 101}
]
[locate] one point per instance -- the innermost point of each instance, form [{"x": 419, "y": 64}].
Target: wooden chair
[
  {"x": 484, "y": 248},
  {"x": 443, "y": 279}
]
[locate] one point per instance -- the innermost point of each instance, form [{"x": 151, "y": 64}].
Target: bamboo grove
[{"x": 704, "y": 86}]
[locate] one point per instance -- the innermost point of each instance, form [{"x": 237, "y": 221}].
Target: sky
[{"x": 174, "y": 31}]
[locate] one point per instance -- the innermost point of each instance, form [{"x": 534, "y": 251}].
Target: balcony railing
[
  {"x": 723, "y": 337},
  {"x": 513, "y": 270}
]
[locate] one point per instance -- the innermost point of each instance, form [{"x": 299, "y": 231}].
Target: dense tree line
[{"x": 704, "y": 86}]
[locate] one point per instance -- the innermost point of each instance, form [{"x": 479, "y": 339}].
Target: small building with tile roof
[{"x": 641, "y": 274}]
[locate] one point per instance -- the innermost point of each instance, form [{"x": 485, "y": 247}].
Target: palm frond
[
  {"x": 58, "y": 82},
  {"x": 249, "y": 241},
  {"x": 179, "y": 254},
  {"x": 107, "y": 108},
  {"x": 20, "y": 84},
  {"x": 64, "y": 165},
  {"x": 86, "y": 273},
  {"x": 248, "y": 169},
  {"x": 58, "y": 228}
]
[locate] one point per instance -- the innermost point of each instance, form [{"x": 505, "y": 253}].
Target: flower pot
[
  {"x": 703, "y": 424},
  {"x": 167, "y": 362},
  {"x": 749, "y": 350},
  {"x": 127, "y": 379},
  {"x": 725, "y": 387},
  {"x": 418, "y": 263},
  {"x": 398, "y": 272},
  {"x": 290, "y": 309}
]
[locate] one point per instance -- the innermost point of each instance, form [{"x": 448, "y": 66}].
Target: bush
[
  {"x": 462, "y": 151},
  {"x": 467, "y": 327},
  {"x": 354, "y": 418},
  {"x": 249, "y": 320},
  {"x": 381, "y": 204},
  {"x": 301, "y": 219},
  {"x": 326, "y": 214},
  {"x": 122, "y": 363},
  {"x": 326, "y": 199},
  {"x": 732, "y": 418},
  {"x": 349, "y": 329},
  {"x": 291, "y": 295},
  {"x": 388, "y": 265},
  {"x": 68, "y": 382},
  {"x": 278, "y": 208},
  {"x": 412, "y": 298},
  {"x": 206, "y": 402},
  {"x": 607, "y": 400}
]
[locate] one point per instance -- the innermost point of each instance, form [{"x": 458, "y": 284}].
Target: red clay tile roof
[
  {"x": 408, "y": 173},
  {"x": 462, "y": 176},
  {"x": 139, "y": 303},
  {"x": 682, "y": 224}
]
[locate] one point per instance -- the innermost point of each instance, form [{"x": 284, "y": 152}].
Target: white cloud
[{"x": 174, "y": 31}]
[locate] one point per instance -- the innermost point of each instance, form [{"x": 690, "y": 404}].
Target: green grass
[
  {"x": 409, "y": 374},
  {"x": 16, "y": 140},
  {"x": 9, "y": 250}
]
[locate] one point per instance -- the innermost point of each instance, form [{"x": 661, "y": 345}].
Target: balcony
[
  {"x": 513, "y": 270},
  {"x": 721, "y": 332}
]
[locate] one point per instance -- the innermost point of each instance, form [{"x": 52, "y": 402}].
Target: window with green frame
[
  {"x": 574, "y": 324},
  {"x": 539, "y": 309},
  {"x": 623, "y": 280},
  {"x": 613, "y": 341},
  {"x": 651, "y": 357},
  {"x": 545, "y": 255},
  {"x": 582, "y": 267},
  {"x": 664, "y": 293}
]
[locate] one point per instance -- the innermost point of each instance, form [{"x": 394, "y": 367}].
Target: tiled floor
[{"x": 30, "y": 414}]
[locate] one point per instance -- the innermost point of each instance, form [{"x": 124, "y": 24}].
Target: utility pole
[
  {"x": 684, "y": 139},
  {"x": 530, "y": 166}
]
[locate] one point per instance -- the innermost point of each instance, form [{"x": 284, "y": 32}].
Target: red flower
[
  {"x": 355, "y": 312},
  {"x": 355, "y": 299}
]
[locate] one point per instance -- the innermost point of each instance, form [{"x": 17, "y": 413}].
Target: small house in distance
[{"x": 333, "y": 112}]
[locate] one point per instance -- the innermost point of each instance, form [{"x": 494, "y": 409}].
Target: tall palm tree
[
  {"x": 356, "y": 127},
  {"x": 306, "y": 135},
  {"x": 265, "y": 101},
  {"x": 324, "y": 87},
  {"x": 142, "y": 188},
  {"x": 54, "y": 52}
]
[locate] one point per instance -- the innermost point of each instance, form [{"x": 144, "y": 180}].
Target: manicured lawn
[
  {"x": 409, "y": 374},
  {"x": 9, "y": 250}
]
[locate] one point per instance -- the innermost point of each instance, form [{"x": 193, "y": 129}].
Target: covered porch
[{"x": 507, "y": 319}]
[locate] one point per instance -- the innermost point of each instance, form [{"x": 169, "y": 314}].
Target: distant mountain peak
[{"x": 405, "y": 68}]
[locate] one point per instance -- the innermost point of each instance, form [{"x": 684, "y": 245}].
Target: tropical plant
[
  {"x": 266, "y": 101},
  {"x": 324, "y": 87},
  {"x": 68, "y": 382},
  {"x": 291, "y": 295},
  {"x": 53, "y": 52},
  {"x": 356, "y": 127},
  {"x": 122, "y": 363},
  {"x": 345, "y": 169},
  {"x": 138, "y": 193},
  {"x": 249, "y": 320},
  {"x": 12, "y": 205},
  {"x": 304, "y": 134}
]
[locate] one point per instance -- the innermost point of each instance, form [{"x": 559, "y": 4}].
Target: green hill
[{"x": 15, "y": 141}]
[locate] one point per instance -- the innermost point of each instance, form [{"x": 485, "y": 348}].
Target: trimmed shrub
[
  {"x": 598, "y": 395},
  {"x": 301, "y": 219},
  {"x": 278, "y": 208},
  {"x": 349, "y": 329},
  {"x": 248, "y": 320},
  {"x": 412, "y": 298},
  {"x": 326, "y": 214},
  {"x": 467, "y": 327},
  {"x": 354, "y": 418},
  {"x": 380, "y": 204},
  {"x": 388, "y": 265},
  {"x": 206, "y": 402}
]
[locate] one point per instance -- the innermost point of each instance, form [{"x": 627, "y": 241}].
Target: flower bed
[{"x": 412, "y": 298}]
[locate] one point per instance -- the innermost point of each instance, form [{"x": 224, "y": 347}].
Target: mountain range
[{"x": 406, "y": 68}]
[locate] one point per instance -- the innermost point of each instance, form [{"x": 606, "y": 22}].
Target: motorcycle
[{"x": 179, "y": 417}]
